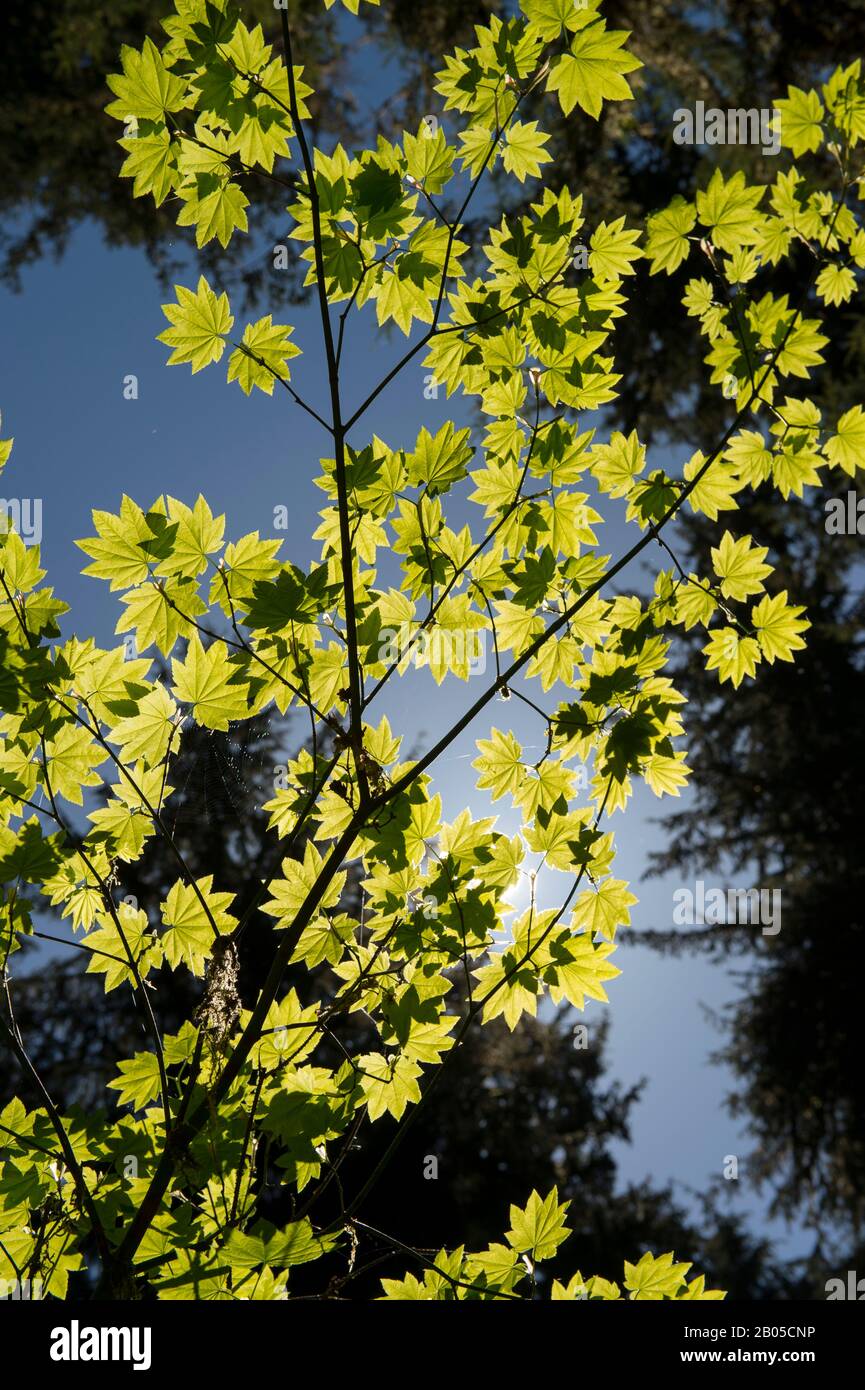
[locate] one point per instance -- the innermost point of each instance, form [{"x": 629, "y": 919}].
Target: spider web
[{"x": 222, "y": 778}]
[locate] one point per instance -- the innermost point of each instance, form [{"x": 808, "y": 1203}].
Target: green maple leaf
[
  {"x": 151, "y": 162},
  {"x": 159, "y": 613},
  {"x": 109, "y": 955},
  {"x": 398, "y": 296},
  {"x": 728, "y": 207},
  {"x": 146, "y": 734},
  {"x": 261, "y": 137},
  {"x": 665, "y": 775},
  {"x": 475, "y": 153},
  {"x": 579, "y": 967},
  {"x": 593, "y": 71},
  {"x": 617, "y": 464},
  {"x": 145, "y": 88},
  {"x": 524, "y": 151},
  {"x": 351, "y": 5},
  {"x": 72, "y": 758},
  {"x": 21, "y": 1186},
  {"x": 429, "y": 158},
  {"x": 836, "y": 284},
  {"x": 739, "y": 566},
  {"x": 283, "y": 1040},
  {"x": 801, "y": 115},
  {"x": 324, "y": 939},
  {"x": 655, "y": 1277},
  {"x": 572, "y": 1291},
  {"x": 697, "y": 1291},
  {"x": 802, "y": 350},
  {"x": 510, "y": 987},
  {"x": 120, "y": 829},
  {"x": 139, "y": 1081},
  {"x": 497, "y": 1267},
  {"x": 695, "y": 603},
  {"x": 778, "y": 625},
  {"x": 543, "y": 787},
  {"x": 553, "y": 17},
  {"x": 298, "y": 878},
  {"x": 215, "y": 207},
  {"x": 749, "y": 457},
  {"x": 418, "y": 1027},
  {"x": 121, "y": 549},
  {"x": 189, "y": 935},
  {"x": 439, "y": 460},
  {"x": 603, "y": 910},
  {"x": 796, "y": 467},
  {"x": 500, "y": 766},
  {"x": 734, "y": 657},
  {"x": 613, "y": 250},
  {"x": 846, "y": 448},
  {"x": 843, "y": 94},
  {"x": 296, "y": 1244},
  {"x": 196, "y": 534},
  {"x": 668, "y": 243},
  {"x": 716, "y": 489},
  {"x": 389, "y": 1084},
  {"x": 20, "y": 562},
  {"x": 200, "y": 321},
  {"x": 407, "y": 1290},
  {"x": 538, "y": 1229},
  {"x": 515, "y": 626},
  {"x": 291, "y": 601},
  {"x": 246, "y": 562},
  {"x": 651, "y": 498},
  {"x": 206, "y": 680},
  {"x": 266, "y": 357}
]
